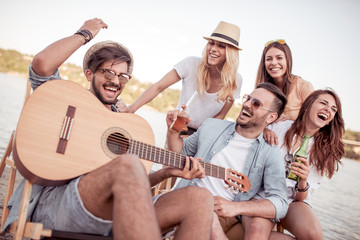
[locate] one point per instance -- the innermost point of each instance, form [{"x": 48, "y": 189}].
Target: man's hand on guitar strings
[{"x": 192, "y": 169}]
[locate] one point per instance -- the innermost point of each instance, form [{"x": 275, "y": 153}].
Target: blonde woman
[{"x": 214, "y": 77}]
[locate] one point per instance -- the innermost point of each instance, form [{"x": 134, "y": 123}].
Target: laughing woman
[
  {"x": 214, "y": 77},
  {"x": 276, "y": 67},
  {"x": 320, "y": 117}
]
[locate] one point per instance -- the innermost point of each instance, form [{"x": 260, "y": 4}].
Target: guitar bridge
[{"x": 66, "y": 129}]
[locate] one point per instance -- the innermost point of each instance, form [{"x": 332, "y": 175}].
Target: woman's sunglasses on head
[{"x": 281, "y": 41}]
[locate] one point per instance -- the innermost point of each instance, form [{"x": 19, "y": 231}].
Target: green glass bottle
[{"x": 302, "y": 152}]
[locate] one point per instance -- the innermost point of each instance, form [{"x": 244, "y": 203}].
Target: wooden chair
[{"x": 163, "y": 187}]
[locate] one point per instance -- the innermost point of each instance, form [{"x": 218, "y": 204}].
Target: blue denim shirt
[
  {"x": 263, "y": 166},
  {"x": 15, "y": 200}
]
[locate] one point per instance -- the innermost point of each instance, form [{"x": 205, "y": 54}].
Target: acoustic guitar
[{"x": 64, "y": 131}]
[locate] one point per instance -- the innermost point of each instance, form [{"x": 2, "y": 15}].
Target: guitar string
[
  {"x": 124, "y": 142},
  {"x": 167, "y": 154},
  {"x": 214, "y": 170}
]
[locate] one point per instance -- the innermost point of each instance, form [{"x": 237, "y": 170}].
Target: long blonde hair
[{"x": 228, "y": 74}]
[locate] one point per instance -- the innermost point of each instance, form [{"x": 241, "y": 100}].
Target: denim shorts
[{"x": 61, "y": 208}]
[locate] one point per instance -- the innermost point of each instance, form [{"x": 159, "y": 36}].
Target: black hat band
[{"x": 226, "y": 38}]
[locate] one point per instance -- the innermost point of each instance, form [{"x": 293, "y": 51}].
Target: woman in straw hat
[
  {"x": 276, "y": 67},
  {"x": 214, "y": 77}
]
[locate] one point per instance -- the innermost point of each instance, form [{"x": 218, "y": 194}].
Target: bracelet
[
  {"x": 86, "y": 34},
  {"x": 301, "y": 190}
]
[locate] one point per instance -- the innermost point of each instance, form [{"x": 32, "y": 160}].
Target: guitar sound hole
[{"x": 117, "y": 143}]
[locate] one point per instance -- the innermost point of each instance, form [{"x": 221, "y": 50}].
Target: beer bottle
[{"x": 302, "y": 152}]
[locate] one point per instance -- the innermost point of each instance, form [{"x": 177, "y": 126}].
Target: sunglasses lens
[
  {"x": 268, "y": 43},
  {"x": 281, "y": 41},
  {"x": 255, "y": 103},
  {"x": 288, "y": 158}
]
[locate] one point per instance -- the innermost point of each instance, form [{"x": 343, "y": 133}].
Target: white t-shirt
[
  {"x": 314, "y": 178},
  {"x": 233, "y": 156},
  {"x": 205, "y": 106}
]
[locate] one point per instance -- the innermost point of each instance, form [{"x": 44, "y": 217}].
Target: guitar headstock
[{"x": 237, "y": 182}]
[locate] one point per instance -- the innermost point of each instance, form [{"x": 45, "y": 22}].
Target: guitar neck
[{"x": 170, "y": 158}]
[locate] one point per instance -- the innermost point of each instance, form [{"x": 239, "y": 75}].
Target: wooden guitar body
[{"x": 42, "y": 122}]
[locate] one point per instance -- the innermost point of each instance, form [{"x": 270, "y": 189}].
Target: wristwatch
[{"x": 301, "y": 190}]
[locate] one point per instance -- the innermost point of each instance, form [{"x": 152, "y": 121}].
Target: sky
[{"x": 324, "y": 35}]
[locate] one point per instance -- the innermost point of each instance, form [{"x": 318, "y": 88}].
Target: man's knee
[
  {"x": 127, "y": 166},
  {"x": 314, "y": 232},
  {"x": 200, "y": 193},
  {"x": 200, "y": 196},
  {"x": 256, "y": 228},
  {"x": 126, "y": 162}
]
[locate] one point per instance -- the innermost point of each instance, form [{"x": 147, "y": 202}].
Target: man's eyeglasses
[
  {"x": 255, "y": 103},
  {"x": 281, "y": 41},
  {"x": 110, "y": 75}
]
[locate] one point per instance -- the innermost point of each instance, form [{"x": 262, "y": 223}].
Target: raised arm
[
  {"x": 169, "y": 79},
  {"x": 48, "y": 60}
]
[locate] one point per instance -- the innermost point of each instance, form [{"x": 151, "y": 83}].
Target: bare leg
[
  {"x": 257, "y": 227},
  {"x": 217, "y": 232},
  {"x": 120, "y": 191},
  {"x": 232, "y": 228},
  {"x": 280, "y": 236},
  {"x": 302, "y": 222},
  {"x": 236, "y": 232},
  {"x": 189, "y": 209}
]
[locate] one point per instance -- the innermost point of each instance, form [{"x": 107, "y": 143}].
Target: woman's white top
[{"x": 205, "y": 106}]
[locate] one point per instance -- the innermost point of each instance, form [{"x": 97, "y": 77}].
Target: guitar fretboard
[{"x": 170, "y": 158}]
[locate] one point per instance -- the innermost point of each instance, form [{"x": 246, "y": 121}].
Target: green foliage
[
  {"x": 351, "y": 154},
  {"x": 352, "y": 135},
  {"x": 13, "y": 61},
  {"x": 233, "y": 112}
]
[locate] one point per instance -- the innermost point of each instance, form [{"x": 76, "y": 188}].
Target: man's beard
[
  {"x": 253, "y": 123},
  {"x": 99, "y": 96}
]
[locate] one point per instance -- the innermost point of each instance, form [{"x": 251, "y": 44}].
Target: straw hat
[
  {"x": 94, "y": 48},
  {"x": 227, "y": 33}
]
